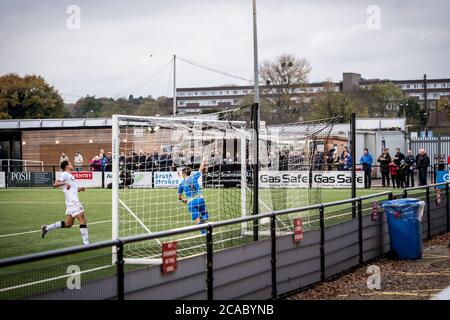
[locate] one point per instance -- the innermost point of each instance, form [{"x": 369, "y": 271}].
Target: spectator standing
[
  {"x": 336, "y": 161},
  {"x": 108, "y": 164},
  {"x": 122, "y": 161},
  {"x": 102, "y": 157},
  {"x": 422, "y": 163},
  {"x": 163, "y": 162},
  {"x": 228, "y": 159},
  {"x": 96, "y": 164},
  {"x": 441, "y": 177},
  {"x": 63, "y": 157},
  {"x": 342, "y": 159},
  {"x": 402, "y": 172},
  {"x": 398, "y": 158},
  {"x": 283, "y": 160},
  {"x": 272, "y": 159},
  {"x": 410, "y": 161},
  {"x": 318, "y": 161},
  {"x": 78, "y": 161},
  {"x": 198, "y": 157},
  {"x": 141, "y": 160},
  {"x": 330, "y": 158},
  {"x": 384, "y": 161},
  {"x": 348, "y": 161},
  {"x": 393, "y": 170},
  {"x": 366, "y": 161}
]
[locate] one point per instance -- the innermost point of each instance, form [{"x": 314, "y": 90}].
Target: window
[
  {"x": 195, "y": 93},
  {"x": 221, "y": 93},
  {"x": 213, "y": 102},
  {"x": 407, "y": 86},
  {"x": 181, "y": 94},
  {"x": 244, "y": 91},
  {"x": 203, "y": 93},
  {"x": 226, "y": 92},
  {"x": 235, "y": 92},
  {"x": 190, "y": 94}
]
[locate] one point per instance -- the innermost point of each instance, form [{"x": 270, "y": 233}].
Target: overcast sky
[{"x": 109, "y": 54}]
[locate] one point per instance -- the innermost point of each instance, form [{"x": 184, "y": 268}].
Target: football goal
[{"x": 149, "y": 154}]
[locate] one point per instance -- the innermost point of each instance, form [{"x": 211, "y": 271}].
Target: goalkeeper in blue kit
[{"x": 194, "y": 197}]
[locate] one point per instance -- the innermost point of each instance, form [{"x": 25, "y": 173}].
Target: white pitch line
[
  {"x": 35, "y": 231},
  {"x": 51, "y": 279}
]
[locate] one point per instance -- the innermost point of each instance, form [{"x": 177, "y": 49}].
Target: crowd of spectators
[
  {"x": 169, "y": 160},
  {"x": 400, "y": 169},
  {"x": 397, "y": 170},
  {"x": 100, "y": 162}
]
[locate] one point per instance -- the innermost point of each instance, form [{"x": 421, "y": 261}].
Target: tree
[
  {"x": 28, "y": 97},
  {"x": 267, "y": 111},
  {"x": 88, "y": 107},
  {"x": 285, "y": 77},
  {"x": 444, "y": 106},
  {"x": 383, "y": 99},
  {"x": 410, "y": 108},
  {"x": 330, "y": 104}
]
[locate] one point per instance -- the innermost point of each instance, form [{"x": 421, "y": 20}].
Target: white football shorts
[{"x": 74, "y": 209}]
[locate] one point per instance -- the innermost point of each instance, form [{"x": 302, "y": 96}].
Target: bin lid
[
  {"x": 407, "y": 207},
  {"x": 401, "y": 203}
]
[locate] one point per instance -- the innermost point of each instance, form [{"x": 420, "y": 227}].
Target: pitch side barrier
[
  {"x": 294, "y": 176},
  {"x": 220, "y": 176},
  {"x": 435, "y": 223}
]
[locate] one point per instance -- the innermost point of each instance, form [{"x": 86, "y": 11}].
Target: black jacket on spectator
[
  {"x": 410, "y": 160},
  {"x": 384, "y": 161},
  {"x": 398, "y": 158},
  {"x": 422, "y": 162},
  {"x": 330, "y": 154},
  {"x": 108, "y": 164}
]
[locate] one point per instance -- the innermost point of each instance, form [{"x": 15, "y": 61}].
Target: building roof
[
  {"x": 54, "y": 123},
  {"x": 250, "y": 87}
]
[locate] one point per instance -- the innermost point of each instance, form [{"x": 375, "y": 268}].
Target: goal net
[
  {"x": 291, "y": 155},
  {"x": 149, "y": 154}
]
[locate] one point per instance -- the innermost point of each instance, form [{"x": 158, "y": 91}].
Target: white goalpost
[{"x": 151, "y": 151}]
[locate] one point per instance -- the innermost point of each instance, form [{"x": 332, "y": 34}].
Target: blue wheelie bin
[{"x": 404, "y": 218}]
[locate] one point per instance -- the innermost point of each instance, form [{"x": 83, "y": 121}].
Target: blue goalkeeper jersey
[{"x": 190, "y": 186}]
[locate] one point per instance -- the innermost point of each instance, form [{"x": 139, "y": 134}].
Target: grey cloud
[{"x": 117, "y": 36}]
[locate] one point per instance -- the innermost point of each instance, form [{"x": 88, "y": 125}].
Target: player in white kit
[{"x": 73, "y": 204}]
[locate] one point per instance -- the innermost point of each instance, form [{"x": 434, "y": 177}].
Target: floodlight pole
[
  {"x": 255, "y": 60},
  {"x": 256, "y": 120},
  {"x": 353, "y": 154},
  {"x": 174, "y": 85},
  {"x": 426, "y": 103}
]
